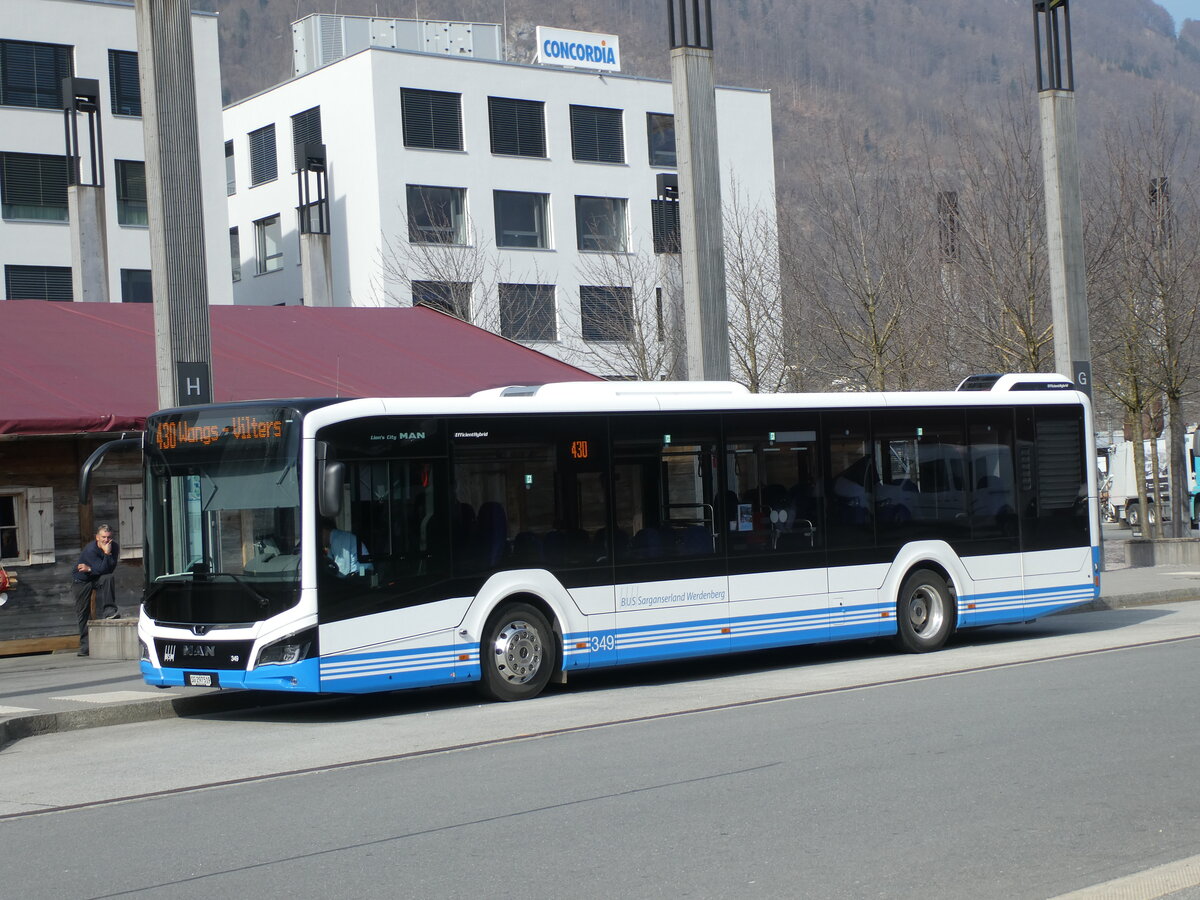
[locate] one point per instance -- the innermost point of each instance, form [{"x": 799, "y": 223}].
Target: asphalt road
[{"x": 1026, "y": 762}]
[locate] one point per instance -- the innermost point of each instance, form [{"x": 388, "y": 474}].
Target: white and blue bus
[{"x": 513, "y": 536}]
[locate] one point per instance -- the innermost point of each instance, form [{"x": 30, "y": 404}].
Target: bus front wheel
[
  {"x": 924, "y": 612},
  {"x": 518, "y": 653}
]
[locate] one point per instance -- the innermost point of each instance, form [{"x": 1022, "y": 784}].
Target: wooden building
[{"x": 78, "y": 374}]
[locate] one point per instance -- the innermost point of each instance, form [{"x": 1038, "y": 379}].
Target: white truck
[{"x": 1123, "y": 505}]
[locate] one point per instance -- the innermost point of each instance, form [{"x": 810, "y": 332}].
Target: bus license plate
[{"x": 201, "y": 679}]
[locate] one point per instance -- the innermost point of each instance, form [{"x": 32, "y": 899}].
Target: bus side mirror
[{"x": 333, "y": 480}]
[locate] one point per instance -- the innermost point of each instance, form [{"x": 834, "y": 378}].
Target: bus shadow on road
[{"x": 335, "y": 708}]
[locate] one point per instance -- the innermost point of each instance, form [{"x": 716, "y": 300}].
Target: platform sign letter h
[{"x": 193, "y": 384}]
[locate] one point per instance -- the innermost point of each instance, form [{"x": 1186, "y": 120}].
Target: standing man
[{"x": 94, "y": 571}]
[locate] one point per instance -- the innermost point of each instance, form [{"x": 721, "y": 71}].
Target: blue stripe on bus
[
  {"x": 397, "y": 669},
  {"x": 446, "y": 664}
]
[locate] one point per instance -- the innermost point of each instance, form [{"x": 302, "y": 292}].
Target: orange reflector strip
[
  {"x": 970, "y": 606},
  {"x": 726, "y": 631},
  {"x": 885, "y": 614},
  {"x": 581, "y": 645},
  {"x": 463, "y": 657}
]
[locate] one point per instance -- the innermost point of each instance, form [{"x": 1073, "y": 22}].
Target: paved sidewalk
[{"x": 61, "y": 692}]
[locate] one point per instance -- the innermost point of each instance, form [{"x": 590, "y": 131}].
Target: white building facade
[
  {"x": 523, "y": 197},
  {"x": 41, "y": 41}
]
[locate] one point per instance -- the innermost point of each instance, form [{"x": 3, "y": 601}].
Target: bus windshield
[{"x": 223, "y": 531}]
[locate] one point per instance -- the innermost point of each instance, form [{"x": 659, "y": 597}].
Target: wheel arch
[
  {"x": 536, "y": 587},
  {"x": 936, "y": 556}
]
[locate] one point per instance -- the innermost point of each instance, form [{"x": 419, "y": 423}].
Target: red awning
[{"x": 76, "y": 367}]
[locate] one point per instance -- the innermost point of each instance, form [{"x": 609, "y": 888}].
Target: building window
[
  {"x": 31, "y": 74},
  {"x": 235, "y": 254},
  {"x": 37, "y": 283},
  {"x": 606, "y": 313},
  {"x": 432, "y": 119},
  {"x": 518, "y": 127},
  {"x": 269, "y": 240},
  {"x": 263, "y": 164},
  {"x": 33, "y": 186},
  {"x": 27, "y": 526},
  {"x": 230, "y": 171},
  {"x": 435, "y": 214},
  {"x": 664, "y": 219},
  {"x": 597, "y": 134},
  {"x": 527, "y": 312},
  {"x": 124, "y": 86},
  {"x": 660, "y": 135},
  {"x": 306, "y": 129},
  {"x": 12, "y": 544},
  {"x": 135, "y": 286},
  {"x": 600, "y": 224},
  {"x": 453, "y": 297},
  {"x": 131, "y": 193},
  {"x": 522, "y": 219}
]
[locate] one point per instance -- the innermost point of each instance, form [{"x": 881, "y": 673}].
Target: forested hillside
[{"x": 899, "y": 70}]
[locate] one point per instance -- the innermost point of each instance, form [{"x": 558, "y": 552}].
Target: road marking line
[
  {"x": 13, "y": 710},
  {"x": 1157, "y": 882},
  {"x": 110, "y": 697}
]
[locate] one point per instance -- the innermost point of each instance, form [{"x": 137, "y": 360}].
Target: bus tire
[
  {"x": 924, "y": 612},
  {"x": 518, "y": 654}
]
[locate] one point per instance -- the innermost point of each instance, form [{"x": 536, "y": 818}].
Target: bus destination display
[{"x": 174, "y": 434}]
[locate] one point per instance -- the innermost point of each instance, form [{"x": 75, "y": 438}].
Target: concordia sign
[{"x": 579, "y": 49}]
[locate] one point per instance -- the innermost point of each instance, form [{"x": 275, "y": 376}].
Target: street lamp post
[
  {"x": 1060, "y": 169},
  {"x": 85, "y": 191}
]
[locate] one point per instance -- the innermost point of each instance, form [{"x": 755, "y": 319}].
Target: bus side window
[
  {"x": 664, "y": 471},
  {"x": 852, "y": 481}
]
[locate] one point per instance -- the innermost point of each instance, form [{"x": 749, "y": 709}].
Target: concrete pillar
[
  {"x": 1064, "y": 234},
  {"x": 702, "y": 246},
  {"x": 182, "y": 339},
  {"x": 89, "y": 243},
  {"x": 700, "y": 226},
  {"x": 316, "y": 270}
]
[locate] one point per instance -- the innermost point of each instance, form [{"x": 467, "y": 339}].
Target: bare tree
[
  {"x": 992, "y": 243},
  {"x": 862, "y": 265},
  {"x": 1157, "y": 292},
  {"x": 442, "y": 261},
  {"x": 757, "y": 346},
  {"x": 628, "y": 325}
]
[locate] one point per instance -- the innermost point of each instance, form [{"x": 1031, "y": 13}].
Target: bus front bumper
[{"x": 300, "y": 677}]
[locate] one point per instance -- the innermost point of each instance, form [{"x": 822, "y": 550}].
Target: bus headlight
[
  {"x": 143, "y": 650},
  {"x": 291, "y": 649}
]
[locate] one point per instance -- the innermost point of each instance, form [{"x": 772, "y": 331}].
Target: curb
[
  {"x": 1129, "y": 601},
  {"x": 12, "y": 730}
]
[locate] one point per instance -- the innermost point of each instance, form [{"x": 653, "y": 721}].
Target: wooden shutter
[
  {"x": 39, "y": 505},
  {"x": 129, "y": 520}
]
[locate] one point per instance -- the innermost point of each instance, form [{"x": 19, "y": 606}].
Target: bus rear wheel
[
  {"x": 924, "y": 612},
  {"x": 518, "y": 653}
]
